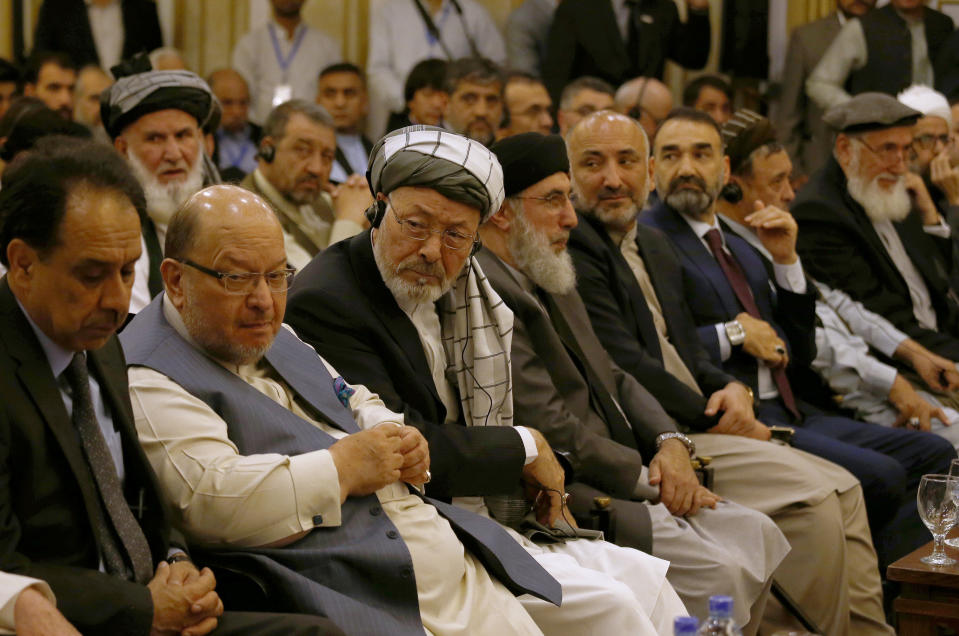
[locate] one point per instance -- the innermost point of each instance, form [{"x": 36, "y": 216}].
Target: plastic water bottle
[
  {"x": 720, "y": 621},
  {"x": 685, "y": 626}
]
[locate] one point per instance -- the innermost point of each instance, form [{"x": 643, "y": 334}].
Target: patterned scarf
[{"x": 477, "y": 329}]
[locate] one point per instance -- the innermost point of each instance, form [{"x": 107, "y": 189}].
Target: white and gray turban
[
  {"x": 426, "y": 156},
  {"x": 136, "y": 95}
]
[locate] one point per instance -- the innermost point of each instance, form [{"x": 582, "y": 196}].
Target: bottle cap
[
  {"x": 721, "y": 606},
  {"x": 683, "y": 625}
]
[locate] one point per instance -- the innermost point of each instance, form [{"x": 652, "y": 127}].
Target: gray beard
[
  {"x": 880, "y": 205},
  {"x": 404, "y": 291},
  {"x": 207, "y": 337},
  {"x": 163, "y": 201},
  {"x": 534, "y": 256}
]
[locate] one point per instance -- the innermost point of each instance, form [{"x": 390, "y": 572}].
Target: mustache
[
  {"x": 607, "y": 192},
  {"x": 420, "y": 267},
  {"x": 687, "y": 179}
]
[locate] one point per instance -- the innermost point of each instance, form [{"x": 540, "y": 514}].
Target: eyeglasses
[
  {"x": 419, "y": 231},
  {"x": 243, "y": 283},
  {"x": 928, "y": 141},
  {"x": 555, "y": 201},
  {"x": 888, "y": 152}
]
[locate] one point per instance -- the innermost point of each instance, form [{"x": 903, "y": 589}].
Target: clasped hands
[
  {"x": 379, "y": 456},
  {"x": 184, "y": 600}
]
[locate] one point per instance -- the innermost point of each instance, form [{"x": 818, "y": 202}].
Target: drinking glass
[
  {"x": 954, "y": 473},
  {"x": 937, "y": 509}
]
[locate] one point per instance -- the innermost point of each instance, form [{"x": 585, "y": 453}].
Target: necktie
[
  {"x": 632, "y": 35},
  {"x": 737, "y": 280},
  {"x": 131, "y": 538},
  {"x": 603, "y": 402}
]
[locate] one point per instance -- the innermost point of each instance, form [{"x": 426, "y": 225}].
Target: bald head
[
  {"x": 608, "y": 156},
  {"x": 234, "y": 96},
  {"x": 647, "y": 95},
  {"x": 226, "y": 273},
  {"x": 211, "y": 214},
  {"x": 608, "y": 122}
]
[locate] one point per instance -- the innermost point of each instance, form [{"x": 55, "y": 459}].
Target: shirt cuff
[
  {"x": 877, "y": 376},
  {"x": 725, "y": 347},
  {"x": 13, "y": 585},
  {"x": 175, "y": 550},
  {"x": 316, "y": 486},
  {"x": 940, "y": 229},
  {"x": 791, "y": 277},
  {"x": 529, "y": 444}
]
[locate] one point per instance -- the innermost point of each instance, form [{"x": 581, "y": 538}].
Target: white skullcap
[{"x": 929, "y": 102}]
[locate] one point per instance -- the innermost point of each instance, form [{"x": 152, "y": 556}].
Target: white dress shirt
[
  {"x": 921, "y": 299},
  {"x": 106, "y": 25},
  {"x": 255, "y": 58},
  {"x": 11, "y": 585},
  {"x": 789, "y": 277},
  {"x": 399, "y": 39}
]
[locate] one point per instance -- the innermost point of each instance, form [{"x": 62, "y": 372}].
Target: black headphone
[
  {"x": 376, "y": 212},
  {"x": 267, "y": 152},
  {"x": 732, "y": 192}
]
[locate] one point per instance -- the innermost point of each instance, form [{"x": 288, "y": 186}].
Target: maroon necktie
[{"x": 737, "y": 280}]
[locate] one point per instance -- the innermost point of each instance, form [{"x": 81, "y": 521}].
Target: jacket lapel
[
  {"x": 689, "y": 244},
  {"x": 38, "y": 382}
]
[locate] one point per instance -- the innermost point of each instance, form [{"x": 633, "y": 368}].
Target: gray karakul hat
[{"x": 870, "y": 111}]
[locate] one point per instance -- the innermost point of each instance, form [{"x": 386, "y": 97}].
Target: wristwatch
[
  {"x": 177, "y": 557},
  {"x": 688, "y": 443},
  {"x": 735, "y": 332}
]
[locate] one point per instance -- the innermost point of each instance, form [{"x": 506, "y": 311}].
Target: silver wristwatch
[
  {"x": 688, "y": 443},
  {"x": 735, "y": 332}
]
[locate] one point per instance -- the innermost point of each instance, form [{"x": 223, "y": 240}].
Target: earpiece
[
  {"x": 267, "y": 152},
  {"x": 732, "y": 192},
  {"x": 376, "y": 212},
  {"x": 477, "y": 246}
]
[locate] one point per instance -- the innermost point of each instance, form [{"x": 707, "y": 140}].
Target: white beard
[
  {"x": 880, "y": 204},
  {"x": 403, "y": 290},
  {"x": 164, "y": 200},
  {"x": 535, "y": 257}
]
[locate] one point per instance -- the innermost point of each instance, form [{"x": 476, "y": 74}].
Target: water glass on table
[
  {"x": 937, "y": 502},
  {"x": 954, "y": 473}
]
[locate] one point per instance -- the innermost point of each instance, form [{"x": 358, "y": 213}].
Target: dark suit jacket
[
  {"x": 551, "y": 394},
  {"x": 585, "y": 40},
  {"x": 47, "y": 493},
  {"x": 712, "y": 300},
  {"x": 340, "y": 305},
  {"x": 801, "y": 128},
  {"x": 620, "y": 317},
  {"x": 839, "y": 246},
  {"x": 63, "y": 25}
]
